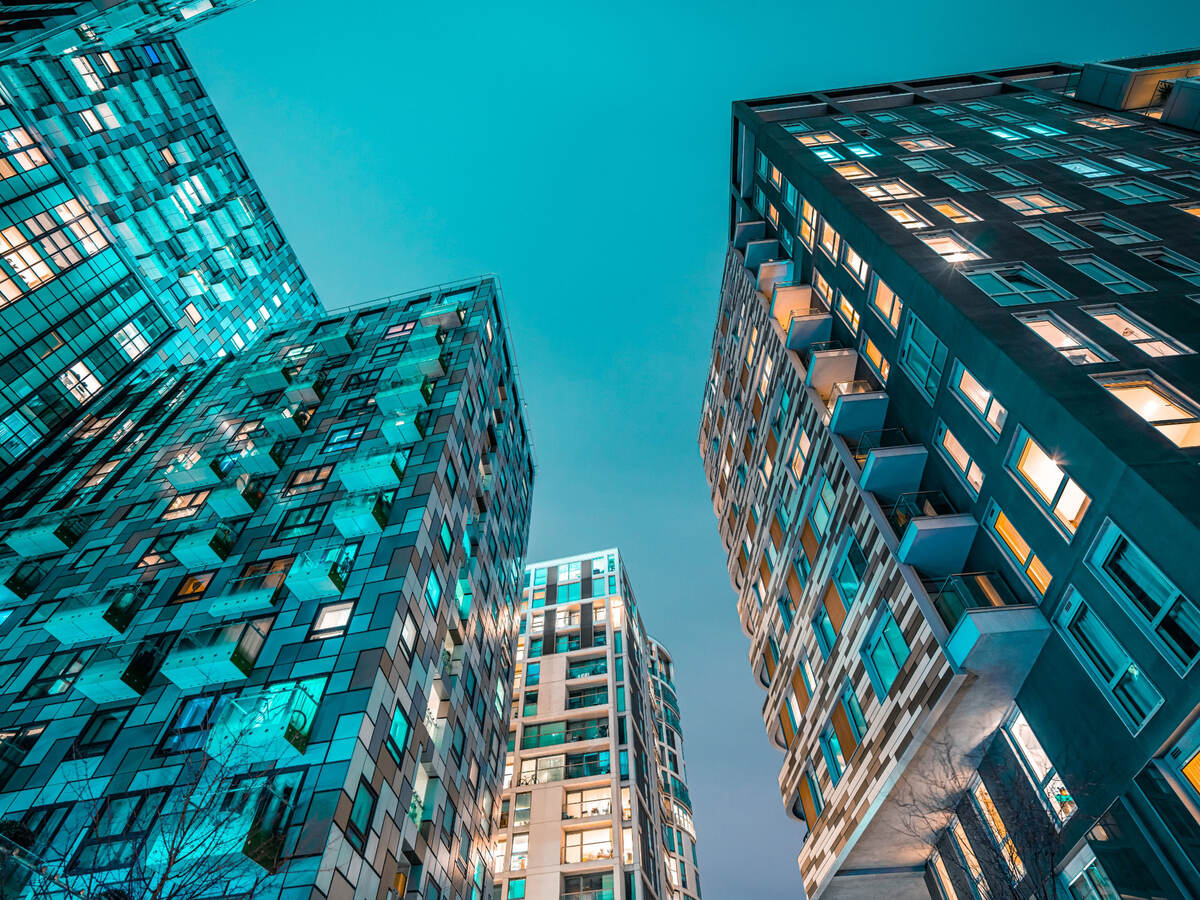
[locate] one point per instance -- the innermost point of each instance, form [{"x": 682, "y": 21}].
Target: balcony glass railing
[
  {"x": 846, "y": 388},
  {"x": 214, "y": 655},
  {"x": 960, "y": 593},
  {"x": 288, "y": 421},
  {"x": 240, "y": 498},
  {"x": 249, "y": 594},
  {"x": 112, "y": 676},
  {"x": 87, "y": 616},
  {"x": 264, "y": 459},
  {"x": 271, "y": 376},
  {"x": 322, "y": 571},
  {"x": 204, "y": 548},
  {"x": 915, "y": 505},
  {"x": 266, "y": 725},
  {"x": 877, "y": 440},
  {"x": 587, "y": 668},
  {"x": 362, "y": 513},
  {"x": 406, "y": 429},
  {"x": 308, "y": 389},
  {"x": 46, "y": 534},
  {"x": 195, "y": 471},
  {"x": 404, "y": 395},
  {"x": 379, "y": 471}
]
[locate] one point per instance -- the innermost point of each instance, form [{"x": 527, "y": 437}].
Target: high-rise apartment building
[
  {"x": 951, "y": 431},
  {"x": 259, "y": 615},
  {"x": 583, "y": 815},
  {"x": 113, "y": 150}
]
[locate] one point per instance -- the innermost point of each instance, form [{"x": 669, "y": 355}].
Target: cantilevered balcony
[
  {"x": 248, "y": 594},
  {"x": 215, "y": 655},
  {"x": 264, "y": 458},
  {"x": 761, "y": 251},
  {"x": 404, "y": 430},
  {"x": 772, "y": 273},
  {"x": 405, "y": 395},
  {"x": 90, "y": 616},
  {"x": 321, "y": 572},
  {"x": 801, "y": 315},
  {"x": 19, "y": 579},
  {"x": 425, "y": 336},
  {"x": 204, "y": 548},
  {"x": 241, "y": 497},
  {"x": 934, "y": 537},
  {"x": 197, "y": 471},
  {"x": 829, "y": 363},
  {"x": 362, "y": 513},
  {"x": 446, "y": 314},
  {"x": 46, "y": 534},
  {"x": 431, "y": 361},
  {"x": 288, "y": 421},
  {"x": 267, "y": 377},
  {"x": 308, "y": 388},
  {"x": 856, "y": 407},
  {"x": 121, "y": 675},
  {"x": 372, "y": 471},
  {"x": 336, "y": 343},
  {"x": 268, "y": 725},
  {"x": 891, "y": 463},
  {"x": 745, "y": 232},
  {"x": 988, "y": 623}
]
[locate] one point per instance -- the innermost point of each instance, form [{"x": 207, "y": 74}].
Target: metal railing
[
  {"x": 960, "y": 593},
  {"x": 877, "y": 440},
  {"x": 916, "y": 505}
]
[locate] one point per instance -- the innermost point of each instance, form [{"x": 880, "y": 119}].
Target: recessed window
[
  {"x": 863, "y": 151},
  {"x": 362, "y": 811},
  {"x": 922, "y": 356},
  {"x": 855, "y": 265},
  {"x": 1041, "y": 129},
  {"x": 332, "y": 620},
  {"x": 985, "y": 806},
  {"x": 852, "y": 171},
  {"x": 971, "y": 157},
  {"x": 1015, "y": 284},
  {"x": 1006, "y": 134},
  {"x": 1132, "y": 191},
  {"x": 1122, "y": 681},
  {"x": 183, "y": 506},
  {"x": 1136, "y": 330},
  {"x": 1052, "y": 235},
  {"x": 1059, "y": 495},
  {"x": 1036, "y": 763},
  {"x": 1035, "y": 203},
  {"x": 877, "y": 360},
  {"x": 831, "y": 241},
  {"x": 889, "y": 190},
  {"x": 1175, "y": 263},
  {"x": 1086, "y": 168},
  {"x": 818, "y": 138},
  {"x": 1175, "y": 416},
  {"x": 1129, "y": 161},
  {"x": 953, "y": 211},
  {"x": 847, "y": 313},
  {"x": 953, "y": 450},
  {"x": 1112, "y": 229},
  {"x": 958, "y": 182},
  {"x": 888, "y": 305},
  {"x": 951, "y": 246},
  {"x": 1011, "y": 176},
  {"x": 1104, "y": 123},
  {"x": 827, "y": 154},
  {"x": 1103, "y": 272},
  {"x": 920, "y": 144},
  {"x": 906, "y": 216},
  {"x": 922, "y": 163},
  {"x": 1032, "y": 150},
  {"x": 978, "y": 399},
  {"x": 1001, "y": 528},
  {"x": 1192, "y": 208},
  {"x": 1076, "y": 348},
  {"x": 884, "y": 652},
  {"x": 808, "y": 223}
]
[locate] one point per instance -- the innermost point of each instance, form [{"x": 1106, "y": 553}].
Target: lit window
[
  {"x": 1034, "y": 203},
  {"x": 1042, "y": 130},
  {"x": 950, "y": 246},
  {"x": 776, "y": 177},
  {"x": 1175, "y": 416},
  {"x": 1104, "y": 122},
  {"x": 1015, "y": 284},
  {"x": 904, "y": 214},
  {"x": 332, "y": 620},
  {"x": 1052, "y": 235},
  {"x": 876, "y": 359},
  {"x": 847, "y": 312},
  {"x": 91, "y": 121},
  {"x": 1057, "y": 494},
  {"x": 1192, "y": 209},
  {"x": 192, "y": 313},
  {"x": 808, "y": 223},
  {"x": 818, "y": 138},
  {"x": 1133, "y": 190},
  {"x": 971, "y": 157},
  {"x": 986, "y": 808},
  {"x": 827, "y": 154},
  {"x": 1113, "y": 229},
  {"x": 1136, "y": 330},
  {"x": 920, "y": 144},
  {"x": 955, "y": 212},
  {"x": 889, "y": 190},
  {"x": 978, "y": 399},
  {"x": 957, "y": 454},
  {"x": 821, "y": 286},
  {"x": 80, "y": 381},
  {"x": 1018, "y": 550},
  {"x": 1176, "y": 264},
  {"x": 1135, "y": 162},
  {"x": 1086, "y": 168},
  {"x": 1077, "y": 349},
  {"x": 1006, "y": 134},
  {"x": 970, "y": 862},
  {"x": 132, "y": 341},
  {"x": 855, "y": 265},
  {"x": 1105, "y": 273},
  {"x": 863, "y": 151},
  {"x": 1121, "y": 680},
  {"x": 1036, "y": 763},
  {"x": 86, "y": 71},
  {"x": 884, "y": 299},
  {"x": 958, "y": 182},
  {"x": 852, "y": 170},
  {"x": 183, "y": 506},
  {"x": 831, "y": 241}
]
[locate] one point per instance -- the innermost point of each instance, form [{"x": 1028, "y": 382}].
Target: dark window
[
  {"x": 344, "y": 437},
  {"x": 357, "y": 406},
  {"x": 97, "y": 735},
  {"x": 57, "y": 674},
  {"x": 15, "y": 744},
  {"x": 300, "y": 522},
  {"x": 362, "y": 379},
  {"x": 358, "y": 826},
  {"x": 119, "y": 831}
]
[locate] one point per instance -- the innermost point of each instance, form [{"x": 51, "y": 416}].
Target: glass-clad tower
[
  {"x": 951, "y": 430},
  {"x": 259, "y": 612},
  {"x": 582, "y": 815}
]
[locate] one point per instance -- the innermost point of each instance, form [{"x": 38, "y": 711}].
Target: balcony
[
  {"x": 321, "y": 572},
  {"x": 263, "y": 459},
  {"x": 361, "y": 514},
  {"x": 89, "y": 617},
  {"x": 289, "y": 421},
  {"x": 267, "y": 725},
  {"x": 267, "y": 378},
  {"x": 376, "y": 471},
  {"x": 426, "y": 336},
  {"x": 989, "y": 625},
  {"x": 830, "y": 363},
  {"x": 405, "y": 396},
  {"x": 215, "y": 655},
  {"x": 113, "y": 676},
  {"x": 759, "y": 252},
  {"x": 195, "y": 471},
  {"x": 801, "y": 315},
  {"x": 855, "y": 407},
  {"x": 46, "y": 534},
  {"x": 745, "y": 232},
  {"x": 405, "y": 430},
  {"x": 19, "y": 579},
  {"x": 248, "y": 595},
  {"x": 204, "y": 548},
  {"x": 433, "y": 362},
  {"x": 241, "y": 498},
  {"x": 773, "y": 274},
  {"x": 308, "y": 389},
  {"x": 891, "y": 463},
  {"x": 934, "y": 537},
  {"x": 336, "y": 343},
  {"x": 446, "y": 314}
]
